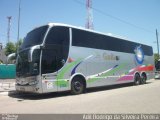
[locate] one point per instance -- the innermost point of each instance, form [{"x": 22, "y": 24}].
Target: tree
[
  {"x": 1, "y": 62},
  {"x": 13, "y": 47},
  {"x": 156, "y": 58},
  {"x": 18, "y": 44},
  {"x": 10, "y": 48}
]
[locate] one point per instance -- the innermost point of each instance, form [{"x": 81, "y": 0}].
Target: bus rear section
[{"x": 107, "y": 60}]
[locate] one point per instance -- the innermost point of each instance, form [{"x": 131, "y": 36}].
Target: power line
[{"x": 116, "y": 18}]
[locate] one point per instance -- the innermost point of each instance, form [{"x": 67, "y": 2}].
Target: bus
[{"x": 58, "y": 57}]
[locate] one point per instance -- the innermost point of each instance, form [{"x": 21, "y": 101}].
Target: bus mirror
[{"x": 11, "y": 57}]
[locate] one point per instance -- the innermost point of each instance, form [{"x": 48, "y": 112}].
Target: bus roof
[{"x": 89, "y": 30}]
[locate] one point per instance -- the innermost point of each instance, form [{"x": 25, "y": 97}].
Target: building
[{"x": 3, "y": 57}]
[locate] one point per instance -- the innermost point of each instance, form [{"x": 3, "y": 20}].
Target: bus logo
[{"x": 139, "y": 54}]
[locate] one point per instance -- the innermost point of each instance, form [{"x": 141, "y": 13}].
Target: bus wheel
[
  {"x": 143, "y": 78},
  {"x": 77, "y": 86},
  {"x": 137, "y": 79}
]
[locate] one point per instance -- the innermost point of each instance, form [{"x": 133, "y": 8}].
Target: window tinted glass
[
  {"x": 34, "y": 37},
  {"x": 56, "y": 49},
  {"x": 94, "y": 40},
  {"x": 58, "y": 36},
  {"x": 49, "y": 61},
  {"x": 25, "y": 68}
]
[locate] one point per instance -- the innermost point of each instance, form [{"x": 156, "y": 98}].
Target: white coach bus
[{"x": 59, "y": 57}]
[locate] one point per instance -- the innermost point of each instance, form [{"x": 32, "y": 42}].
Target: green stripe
[
  {"x": 62, "y": 83},
  {"x": 109, "y": 73},
  {"x": 64, "y": 70}
]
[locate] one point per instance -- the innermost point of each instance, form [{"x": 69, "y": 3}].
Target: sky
[{"x": 136, "y": 20}]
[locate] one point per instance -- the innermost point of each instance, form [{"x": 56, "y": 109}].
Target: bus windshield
[
  {"x": 25, "y": 68},
  {"x": 34, "y": 37}
]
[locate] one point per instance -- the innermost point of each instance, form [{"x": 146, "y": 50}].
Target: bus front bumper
[{"x": 28, "y": 89}]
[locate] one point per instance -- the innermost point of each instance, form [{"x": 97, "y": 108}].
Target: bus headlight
[{"x": 33, "y": 82}]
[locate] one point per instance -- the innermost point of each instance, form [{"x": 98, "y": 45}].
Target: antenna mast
[{"x": 89, "y": 21}]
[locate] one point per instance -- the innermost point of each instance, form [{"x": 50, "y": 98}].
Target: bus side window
[{"x": 57, "y": 48}]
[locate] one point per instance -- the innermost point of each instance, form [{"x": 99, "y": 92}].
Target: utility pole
[
  {"x": 9, "y": 28},
  {"x": 157, "y": 43},
  {"x": 19, "y": 13}
]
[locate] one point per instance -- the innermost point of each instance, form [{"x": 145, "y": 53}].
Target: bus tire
[
  {"x": 143, "y": 78},
  {"x": 77, "y": 85},
  {"x": 137, "y": 79}
]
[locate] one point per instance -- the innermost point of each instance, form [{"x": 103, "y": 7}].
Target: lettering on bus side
[{"x": 110, "y": 56}]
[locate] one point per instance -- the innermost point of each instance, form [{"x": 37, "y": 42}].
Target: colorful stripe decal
[
  {"x": 73, "y": 65},
  {"x": 64, "y": 70},
  {"x": 111, "y": 72},
  {"x": 74, "y": 69},
  {"x": 142, "y": 68}
]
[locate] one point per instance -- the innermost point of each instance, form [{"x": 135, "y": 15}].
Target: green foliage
[
  {"x": 1, "y": 62},
  {"x": 18, "y": 44},
  {"x": 12, "y": 47},
  {"x": 156, "y": 58}
]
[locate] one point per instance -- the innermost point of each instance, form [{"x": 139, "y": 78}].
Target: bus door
[
  {"x": 55, "y": 55},
  {"x": 49, "y": 68}
]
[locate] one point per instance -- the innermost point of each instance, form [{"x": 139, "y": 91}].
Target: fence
[{"x": 7, "y": 71}]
